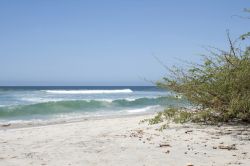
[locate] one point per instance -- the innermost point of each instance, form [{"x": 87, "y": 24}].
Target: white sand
[{"x": 122, "y": 141}]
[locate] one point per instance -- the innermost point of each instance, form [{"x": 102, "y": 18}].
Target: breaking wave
[
  {"x": 88, "y": 91},
  {"x": 82, "y": 106}
]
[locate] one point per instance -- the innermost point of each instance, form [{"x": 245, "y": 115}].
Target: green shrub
[{"x": 220, "y": 85}]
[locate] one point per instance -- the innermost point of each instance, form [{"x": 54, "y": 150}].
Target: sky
[{"x": 111, "y": 42}]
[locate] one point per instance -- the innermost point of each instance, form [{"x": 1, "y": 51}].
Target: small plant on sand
[{"x": 220, "y": 87}]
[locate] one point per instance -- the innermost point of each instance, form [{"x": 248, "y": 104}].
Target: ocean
[{"x": 51, "y": 103}]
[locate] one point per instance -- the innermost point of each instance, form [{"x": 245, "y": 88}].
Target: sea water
[{"x": 19, "y": 104}]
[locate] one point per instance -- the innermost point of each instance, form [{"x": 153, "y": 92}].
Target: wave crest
[{"x": 89, "y": 91}]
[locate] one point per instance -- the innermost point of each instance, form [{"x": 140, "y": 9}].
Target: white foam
[
  {"x": 131, "y": 99},
  {"x": 105, "y": 100},
  {"x": 33, "y": 121},
  {"x": 149, "y": 108},
  {"x": 89, "y": 91},
  {"x": 44, "y": 100},
  {"x": 38, "y": 100}
]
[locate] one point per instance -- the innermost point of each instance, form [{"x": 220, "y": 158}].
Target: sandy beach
[{"x": 123, "y": 141}]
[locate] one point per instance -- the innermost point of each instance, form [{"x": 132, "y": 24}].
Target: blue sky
[{"x": 111, "y": 42}]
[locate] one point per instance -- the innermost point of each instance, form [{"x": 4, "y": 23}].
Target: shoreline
[
  {"x": 17, "y": 125},
  {"x": 123, "y": 141}
]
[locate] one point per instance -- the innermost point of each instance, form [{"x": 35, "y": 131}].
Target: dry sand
[{"x": 123, "y": 141}]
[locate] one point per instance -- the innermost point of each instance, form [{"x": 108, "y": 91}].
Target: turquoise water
[{"x": 50, "y": 103}]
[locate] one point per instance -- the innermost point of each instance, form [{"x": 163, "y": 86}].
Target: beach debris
[
  {"x": 29, "y": 155},
  {"x": 188, "y": 131},
  {"x": 245, "y": 133},
  {"x": 119, "y": 135},
  {"x": 167, "y": 152},
  {"x": 6, "y": 125},
  {"x": 149, "y": 138},
  {"x": 228, "y": 147},
  {"x": 219, "y": 124},
  {"x": 235, "y": 163},
  {"x": 189, "y": 164},
  {"x": 227, "y": 133},
  {"x": 164, "y": 145},
  {"x": 137, "y": 133}
]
